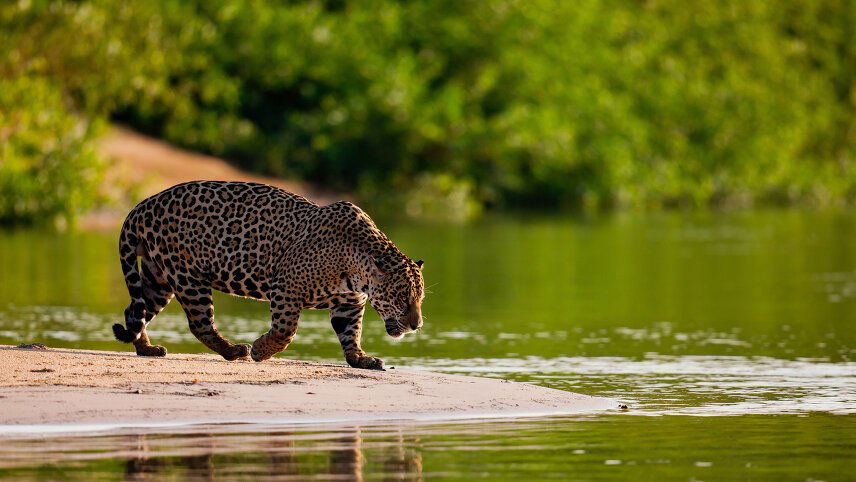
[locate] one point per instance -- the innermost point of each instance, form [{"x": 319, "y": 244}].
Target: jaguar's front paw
[
  {"x": 151, "y": 350},
  {"x": 366, "y": 362},
  {"x": 259, "y": 351},
  {"x": 235, "y": 352}
]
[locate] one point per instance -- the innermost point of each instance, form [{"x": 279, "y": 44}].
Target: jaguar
[{"x": 261, "y": 242}]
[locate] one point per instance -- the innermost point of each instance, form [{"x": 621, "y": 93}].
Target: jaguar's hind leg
[
  {"x": 157, "y": 295},
  {"x": 199, "y": 307},
  {"x": 144, "y": 346}
]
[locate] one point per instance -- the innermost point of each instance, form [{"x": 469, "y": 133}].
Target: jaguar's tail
[{"x": 129, "y": 249}]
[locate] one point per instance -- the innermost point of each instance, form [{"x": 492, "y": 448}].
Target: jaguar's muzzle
[{"x": 411, "y": 321}]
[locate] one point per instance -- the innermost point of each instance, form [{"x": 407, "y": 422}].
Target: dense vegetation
[
  {"x": 501, "y": 102},
  {"x": 48, "y": 163}
]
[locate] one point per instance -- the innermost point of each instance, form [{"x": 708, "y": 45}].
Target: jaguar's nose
[
  {"x": 413, "y": 318},
  {"x": 416, "y": 324}
]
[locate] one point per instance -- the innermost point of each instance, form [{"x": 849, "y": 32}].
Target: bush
[
  {"x": 538, "y": 103},
  {"x": 49, "y": 169}
]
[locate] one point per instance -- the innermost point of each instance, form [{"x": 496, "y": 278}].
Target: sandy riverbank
[{"x": 65, "y": 387}]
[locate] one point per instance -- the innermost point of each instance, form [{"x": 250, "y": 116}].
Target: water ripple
[{"x": 684, "y": 385}]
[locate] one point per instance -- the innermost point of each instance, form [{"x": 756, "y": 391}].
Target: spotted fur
[{"x": 261, "y": 242}]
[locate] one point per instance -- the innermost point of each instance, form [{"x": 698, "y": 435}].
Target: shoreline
[
  {"x": 45, "y": 391},
  {"x": 255, "y": 425}
]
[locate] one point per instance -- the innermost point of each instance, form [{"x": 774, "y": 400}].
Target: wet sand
[{"x": 63, "y": 387}]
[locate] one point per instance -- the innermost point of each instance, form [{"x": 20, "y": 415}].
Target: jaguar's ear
[{"x": 420, "y": 263}]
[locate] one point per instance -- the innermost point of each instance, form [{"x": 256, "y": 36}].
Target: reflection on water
[
  {"x": 818, "y": 447},
  {"x": 738, "y": 331},
  {"x": 223, "y": 451}
]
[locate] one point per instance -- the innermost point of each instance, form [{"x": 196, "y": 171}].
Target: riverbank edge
[{"x": 66, "y": 390}]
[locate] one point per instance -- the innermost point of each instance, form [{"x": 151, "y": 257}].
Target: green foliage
[
  {"x": 48, "y": 166},
  {"x": 542, "y": 102}
]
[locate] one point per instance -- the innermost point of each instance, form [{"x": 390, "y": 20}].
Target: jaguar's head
[{"x": 398, "y": 295}]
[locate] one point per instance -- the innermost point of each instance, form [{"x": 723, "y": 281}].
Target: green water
[{"x": 731, "y": 336}]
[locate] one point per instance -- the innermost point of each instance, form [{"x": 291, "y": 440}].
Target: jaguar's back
[{"x": 222, "y": 234}]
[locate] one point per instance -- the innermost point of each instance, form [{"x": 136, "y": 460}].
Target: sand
[
  {"x": 147, "y": 166},
  {"x": 63, "y": 388}
]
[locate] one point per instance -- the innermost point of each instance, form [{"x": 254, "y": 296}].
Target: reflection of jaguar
[
  {"x": 288, "y": 456},
  {"x": 261, "y": 242}
]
